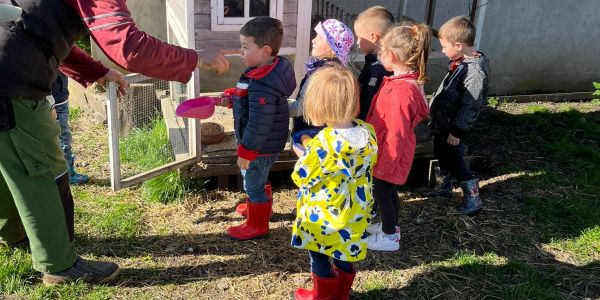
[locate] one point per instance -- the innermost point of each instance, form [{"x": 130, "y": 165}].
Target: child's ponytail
[
  {"x": 422, "y": 45},
  {"x": 410, "y": 44}
]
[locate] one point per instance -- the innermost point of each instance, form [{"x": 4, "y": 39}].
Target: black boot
[{"x": 443, "y": 184}]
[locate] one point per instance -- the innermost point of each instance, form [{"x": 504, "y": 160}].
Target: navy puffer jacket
[{"x": 260, "y": 109}]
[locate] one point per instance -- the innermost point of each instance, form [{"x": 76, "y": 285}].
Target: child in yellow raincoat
[{"x": 334, "y": 179}]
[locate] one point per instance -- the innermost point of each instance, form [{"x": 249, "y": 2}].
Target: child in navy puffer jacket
[{"x": 261, "y": 118}]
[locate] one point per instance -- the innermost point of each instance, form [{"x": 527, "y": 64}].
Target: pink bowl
[{"x": 198, "y": 108}]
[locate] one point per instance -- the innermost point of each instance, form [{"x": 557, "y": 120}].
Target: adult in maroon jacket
[{"x": 35, "y": 199}]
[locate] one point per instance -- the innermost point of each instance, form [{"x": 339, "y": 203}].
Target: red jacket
[
  {"x": 396, "y": 110},
  {"x": 112, "y": 28}
]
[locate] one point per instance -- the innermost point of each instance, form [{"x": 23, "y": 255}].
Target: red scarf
[{"x": 454, "y": 64}]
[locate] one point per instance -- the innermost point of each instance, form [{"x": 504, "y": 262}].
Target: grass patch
[
  {"x": 487, "y": 275},
  {"x": 564, "y": 200},
  {"x": 97, "y": 215},
  {"x": 165, "y": 188},
  {"x": 146, "y": 148},
  {"x": 536, "y": 108},
  {"x": 585, "y": 248},
  {"x": 74, "y": 113},
  {"x": 17, "y": 278}
]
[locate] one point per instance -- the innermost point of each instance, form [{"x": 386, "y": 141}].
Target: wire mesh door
[{"x": 146, "y": 139}]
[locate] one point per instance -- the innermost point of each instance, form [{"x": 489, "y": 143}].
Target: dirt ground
[{"x": 184, "y": 252}]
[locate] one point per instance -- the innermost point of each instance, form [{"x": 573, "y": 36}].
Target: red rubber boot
[
  {"x": 323, "y": 289},
  {"x": 242, "y": 209},
  {"x": 345, "y": 281},
  {"x": 257, "y": 223}
]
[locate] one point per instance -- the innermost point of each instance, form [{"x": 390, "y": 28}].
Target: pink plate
[{"x": 198, "y": 108}]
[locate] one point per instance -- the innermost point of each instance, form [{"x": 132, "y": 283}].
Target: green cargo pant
[{"x": 32, "y": 181}]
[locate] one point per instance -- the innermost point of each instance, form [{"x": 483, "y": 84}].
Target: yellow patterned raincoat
[{"x": 335, "y": 197}]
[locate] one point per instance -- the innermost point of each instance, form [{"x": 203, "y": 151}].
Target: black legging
[
  {"x": 450, "y": 157},
  {"x": 388, "y": 204}
]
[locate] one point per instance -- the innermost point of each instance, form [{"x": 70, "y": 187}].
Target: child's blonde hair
[
  {"x": 410, "y": 45},
  {"x": 458, "y": 30},
  {"x": 331, "y": 96},
  {"x": 377, "y": 18}
]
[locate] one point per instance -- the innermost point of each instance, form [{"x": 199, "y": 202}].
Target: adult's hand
[
  {"x": 114, "y": 76},
  {"x": 214, "y": 59}
]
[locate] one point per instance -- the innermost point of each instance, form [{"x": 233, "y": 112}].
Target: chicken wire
[{"x": 146, "y": 138}]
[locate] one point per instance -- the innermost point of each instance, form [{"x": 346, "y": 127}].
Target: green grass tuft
[
  {"x": 147, "y": 148},
  {"x": 97, "y": 215},
  {"x": 536, "y": 108},
  {"x": 74, "y": 113},
  {"x": 585, "y": 248},
  {"x": 18, "y": 279}
]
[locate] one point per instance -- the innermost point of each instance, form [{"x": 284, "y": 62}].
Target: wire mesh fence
[{"x": 146, "y": 138}]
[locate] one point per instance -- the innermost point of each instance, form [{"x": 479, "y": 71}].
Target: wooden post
[
  {"x": 112, "y": 112},
  {"x": 303, "y": 29}
]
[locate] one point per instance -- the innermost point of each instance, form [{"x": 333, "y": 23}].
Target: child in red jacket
[{"x": 396, "y": 110}]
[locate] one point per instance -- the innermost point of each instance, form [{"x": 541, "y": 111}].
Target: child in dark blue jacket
[
  {"x": 370, "y": 27},
  {"x": 261, "y": 118}
]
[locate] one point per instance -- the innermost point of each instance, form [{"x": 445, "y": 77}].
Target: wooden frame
[{"x": 181, "y": 31}]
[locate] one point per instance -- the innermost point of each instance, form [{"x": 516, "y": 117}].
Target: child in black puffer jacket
[{"x": 454, "y": 109}]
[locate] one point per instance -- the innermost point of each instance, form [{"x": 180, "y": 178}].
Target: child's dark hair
[
  {"x": 411, "y": 46},
  {"x": 266, "y": 31},
  {"x": 458, "y": 30}
]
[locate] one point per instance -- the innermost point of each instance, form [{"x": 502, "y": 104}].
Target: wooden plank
[
  {"x": 201, "y": 5},
  {"x": 176, "y": 129},
  {"x": 226, "y": 163},
  {"x": 291, "y": 6},
  {"x": 157, "y": 171},
  {"x": 212, "y": 170}
]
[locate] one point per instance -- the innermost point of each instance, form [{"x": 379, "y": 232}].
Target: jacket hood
[
  {"x": 480, "y": 61},
  {"x": 279, "y": 75},
  {"x": 349, "y": 152}
]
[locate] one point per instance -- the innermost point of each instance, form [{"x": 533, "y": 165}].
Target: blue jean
[
  {"x": 256, "y": 176},
  {"x": 320, "y": 265},
  {"x": 66, "y": 138}
]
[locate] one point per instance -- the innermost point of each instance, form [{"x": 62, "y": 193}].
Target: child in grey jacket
[{"x": 454, "y": 109}]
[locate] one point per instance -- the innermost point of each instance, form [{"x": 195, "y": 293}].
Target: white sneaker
[
  {"x": 377, "y": 228},
  {"x": 381, "y": 242},
  {"x": 374, "y": 228}
]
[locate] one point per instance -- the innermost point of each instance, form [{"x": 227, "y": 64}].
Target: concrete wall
[
  {"x": 149, "y": 16},
  {"x": 534, "y": 46},
  {"x": 542, "y": 45}
]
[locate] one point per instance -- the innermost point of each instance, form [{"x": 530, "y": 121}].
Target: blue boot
[
  {"x": 74, "y": 177},
  {"x": 472, "y": 202}
]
